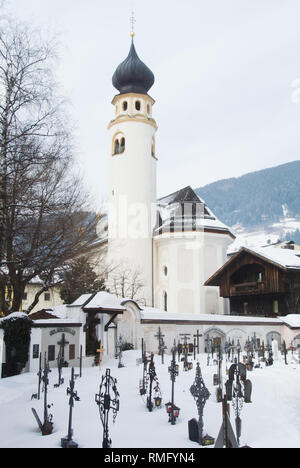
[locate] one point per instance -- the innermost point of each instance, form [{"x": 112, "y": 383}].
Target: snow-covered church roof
[
  {"x": 183, "y": 207},
  {"x": 184, "y": 210}
]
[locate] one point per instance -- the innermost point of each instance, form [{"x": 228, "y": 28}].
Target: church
[
  {"x": 174, "y": 243},
  {"x": 166, "y": 258}
]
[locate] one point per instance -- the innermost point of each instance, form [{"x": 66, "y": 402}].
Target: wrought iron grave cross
[
  {"x": 201, "y": 395},
  {"x": 107, "y": 402},
  {"x": 67, "y": 441}
]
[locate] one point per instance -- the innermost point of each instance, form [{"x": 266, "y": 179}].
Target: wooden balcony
[{"x": 243, "y": 289}]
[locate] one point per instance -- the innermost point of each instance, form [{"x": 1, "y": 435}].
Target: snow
[
  {"x": 105, "y": 300},
  {"x": 272, "y": 420},
  {"x": 293, "y": 320},
  {"x": 252, "y": 240},
  {"x": 80, "y": 301},
  {"x": 150, "y": 313},
  {"x": 102, "y": 300},
  {"x": 284, "y": 257},
  {"x": 14, "y": 315},
  {"x": 55, "y": 321}
]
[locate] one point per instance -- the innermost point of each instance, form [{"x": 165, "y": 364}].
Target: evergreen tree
[{"x": 79, "y": 278}]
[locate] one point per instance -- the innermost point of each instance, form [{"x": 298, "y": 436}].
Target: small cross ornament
[{"x": 100, "y": 351}]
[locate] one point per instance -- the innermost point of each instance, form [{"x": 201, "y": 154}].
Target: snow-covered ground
[{"x": 271, "y": 420}]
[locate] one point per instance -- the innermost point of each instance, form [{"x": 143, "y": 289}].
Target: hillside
[{"x": 258, "y": 199}]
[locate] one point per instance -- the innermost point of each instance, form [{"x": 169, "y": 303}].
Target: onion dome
[{"x": 132, "y": 75}]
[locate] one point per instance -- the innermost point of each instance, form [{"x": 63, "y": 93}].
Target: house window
[
  {"x": 36, "y": 351},
  {"x": 275, "y": 307},
  {"x": 138, "y": 105},
  {"x": 47, "y": 296},
  {"x": 51, "y": 353},
  {"x": 259, "y": 279},
  {"x": 71, "y": 352}
]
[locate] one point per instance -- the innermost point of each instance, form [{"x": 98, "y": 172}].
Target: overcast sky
[{"x": 224, "y": 72}]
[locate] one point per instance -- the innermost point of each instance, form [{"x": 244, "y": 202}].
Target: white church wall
[
  {"x": 211, "y": 296},
  {"x": 132, "y": 198},
  {"x": 180, "y": 253},
  {"x": 190, "y": 258},
  {"x": 111, "y": 342}
]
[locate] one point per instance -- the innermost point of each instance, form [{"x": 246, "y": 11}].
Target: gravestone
[{"x": 193, "y": 430}]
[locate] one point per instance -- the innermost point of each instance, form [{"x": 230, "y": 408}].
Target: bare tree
[
  {"x": 44, "y": 216},
  {"x": 123, "y": 282},
  {"x": 28, "y": 106}
]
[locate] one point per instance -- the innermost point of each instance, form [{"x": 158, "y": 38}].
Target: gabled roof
[
  {"x": 42, "y": 314},
  {"x": 184, "y": 207},
  {"x": 104, "y": 301},
  {"x": 186, "y": 194},
  {"x": 281, "y": 258}
]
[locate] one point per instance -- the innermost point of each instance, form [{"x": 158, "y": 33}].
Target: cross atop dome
[{"x": 132, "y": 22}]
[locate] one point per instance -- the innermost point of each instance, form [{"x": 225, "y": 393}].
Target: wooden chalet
[{"x": 262, "y": 282}]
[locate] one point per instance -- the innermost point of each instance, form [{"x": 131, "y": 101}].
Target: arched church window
[
  {"x": 125, "y": 106},
  {"x": 165, "y": 301},
  {"x": 119, "y": 145},
  {"x": 116, "y": 146},
  {"x": 122, "y": 145},
  {"x": 138, "y": 105}
]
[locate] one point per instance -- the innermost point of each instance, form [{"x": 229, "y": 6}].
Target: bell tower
[{"x": 132, "y": 185}]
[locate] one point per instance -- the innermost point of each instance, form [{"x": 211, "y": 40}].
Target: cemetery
[
  {"x": 226, "y": 398},
  {"x": 138, "y": 320}
]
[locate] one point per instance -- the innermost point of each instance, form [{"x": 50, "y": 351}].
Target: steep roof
[
  {"x": 185, "y": 194},
  {"x": 282, "y": 258},
  {"x": 185, "y": 208}
]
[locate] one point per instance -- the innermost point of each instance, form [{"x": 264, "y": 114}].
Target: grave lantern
[
  {"x": 208, "y": 440},
  {"x": 158, "y": 401},
  {"x": 171, "y": 408}
]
